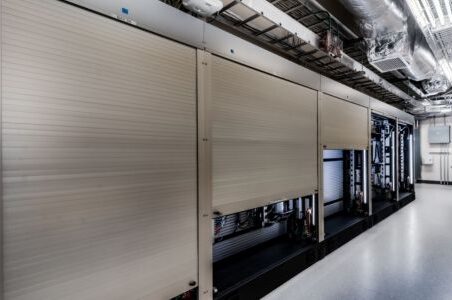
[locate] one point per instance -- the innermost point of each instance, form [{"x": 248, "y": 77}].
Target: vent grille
[
  {"x": 390, "y": 64},
  {"x": 445, "y": 36}
]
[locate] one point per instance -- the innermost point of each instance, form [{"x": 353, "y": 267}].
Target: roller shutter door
[
  {"x": 264, "y": 138},
  {"x": 344, "y": 125},
  {"x": 99, "y": 157}
]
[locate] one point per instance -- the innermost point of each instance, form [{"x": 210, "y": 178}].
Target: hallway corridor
[{"x": 406, "y": 256}]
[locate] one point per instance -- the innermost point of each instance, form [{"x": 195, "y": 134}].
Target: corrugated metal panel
[
  {"x": 245, "y": 241},
  {"x": 344, "y": 124},
  {"x": 264, "y": 138},
  {"x": 333, "y": 180},
  {"x": 228, "y": 224},
  {"x": 333, "y": 154},
  {"x": 99, "y": 131}
]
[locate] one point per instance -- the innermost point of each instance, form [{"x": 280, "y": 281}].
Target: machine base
[
  {"x": 406, "y": 198},
  {"x": 382, "y": 210},
  {"x": 339, "y": 230},
  {"x": 258, "y": 271}
]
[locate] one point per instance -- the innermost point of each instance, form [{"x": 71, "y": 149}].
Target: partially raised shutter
[
  {"x": 264, "y": 138},
  {"x": 344, "y": 125}
]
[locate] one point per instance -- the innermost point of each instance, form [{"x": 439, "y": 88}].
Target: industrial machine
[
  {"x": 383, "y": 163},
  {"x": 345, "y": 189},
  {"x": 254, "y": 242},
  {"x": 405, "y": 163},
  {"x": 211, "y": 176}
]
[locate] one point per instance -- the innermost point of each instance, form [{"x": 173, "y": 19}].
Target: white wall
[{"x": 432, "y": 171}]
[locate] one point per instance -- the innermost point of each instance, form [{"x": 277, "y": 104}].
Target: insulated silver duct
[
  {"x": 423, "y": 65},
  {"x": 377, "y": 17},
  {"x": 435, "y": 85},
  {"x": 394, "y": 40}
]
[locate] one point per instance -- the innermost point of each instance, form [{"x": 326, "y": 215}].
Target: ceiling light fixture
[
  {"x": 449, "y": 11},
  {"x": 439, "y": 11},
  {"x": 429, "y": 13},
  {"x": 416, "y": 10}
]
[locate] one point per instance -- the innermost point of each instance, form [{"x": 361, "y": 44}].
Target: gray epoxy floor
[{"x": 406, "y": 256}]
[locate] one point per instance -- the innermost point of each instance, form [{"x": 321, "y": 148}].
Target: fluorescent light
[
  {"x": 313, "y": 210},
  {"x": 411, "y": 166},
  {"x": 416, "y": 10},
  {"x": 429, "y": 13},
  {"x": 393, "y": 146},
  {"x": 364, "y": 176},
  {"x": 439, "y": 11},
  {"x": 449, "y": 11}
]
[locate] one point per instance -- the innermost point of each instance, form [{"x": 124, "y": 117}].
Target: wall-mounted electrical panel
[{"x": 439, "y": 134}]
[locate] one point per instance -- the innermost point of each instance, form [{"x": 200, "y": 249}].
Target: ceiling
[{"x": 434, "y": 17}]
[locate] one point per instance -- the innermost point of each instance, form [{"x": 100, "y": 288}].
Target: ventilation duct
[
  {"x": 436, "y": 85},
  {"x": 393, "y": 38},
  {"x": 439, "y": 102}
]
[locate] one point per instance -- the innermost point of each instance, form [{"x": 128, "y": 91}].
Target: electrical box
[{"x": 439, "y": 135}]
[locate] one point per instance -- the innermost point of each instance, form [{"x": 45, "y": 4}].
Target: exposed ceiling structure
[
  {"x": 435, "y": 19},
  {"x": 395, "y": 50}
]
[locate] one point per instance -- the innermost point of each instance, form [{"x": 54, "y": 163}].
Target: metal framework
[
  {"x": 255, "y": 26},
  {"x": 435, "y": 19}
]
